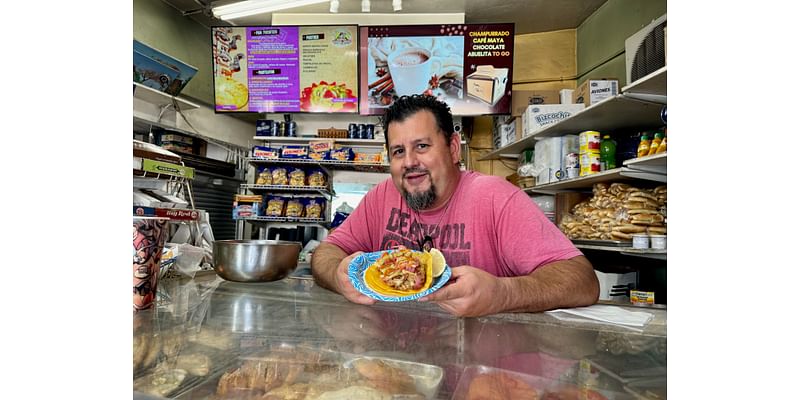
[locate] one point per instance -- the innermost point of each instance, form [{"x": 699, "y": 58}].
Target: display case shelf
[
  {"x": 613, "y": 113},
  {"x": 652, "y": 87},
  {"x": 160, "y": 99}
]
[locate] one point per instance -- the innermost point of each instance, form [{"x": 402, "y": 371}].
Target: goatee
[{"x": 420, "y": 201}]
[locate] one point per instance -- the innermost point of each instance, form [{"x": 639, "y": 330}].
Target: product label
[
  {"x": 177, "y": 214},
  {"x": 640, "y": 297},
  {"x": 161, "y": 167}
]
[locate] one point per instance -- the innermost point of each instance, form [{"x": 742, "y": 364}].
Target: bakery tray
[{"x": 608, "y": 243}]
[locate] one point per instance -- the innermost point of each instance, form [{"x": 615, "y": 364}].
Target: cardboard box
[
  {"x": 487, "y": 83},
  {"x": 537, "y": 117},
  {"x": 521, "y": 99},
  {"x": 595, "y": 90}
]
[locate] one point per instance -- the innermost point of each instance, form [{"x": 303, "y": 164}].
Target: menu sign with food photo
[
  {"x": 468, "y": 66},
  {"x": 286, "y": 69}
]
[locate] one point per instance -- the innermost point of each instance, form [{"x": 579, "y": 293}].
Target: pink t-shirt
[{"x": 489, "y": 224}]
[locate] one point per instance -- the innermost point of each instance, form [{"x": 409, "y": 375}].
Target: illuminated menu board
[
  {"x": 277, "y": 69},
  {"x": 468, "y": 66}
]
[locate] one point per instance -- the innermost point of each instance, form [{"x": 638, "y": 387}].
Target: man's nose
[{"x": 410, "y": 160}]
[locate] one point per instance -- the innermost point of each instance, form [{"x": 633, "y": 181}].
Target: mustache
[{"x": 414, "y": 171}]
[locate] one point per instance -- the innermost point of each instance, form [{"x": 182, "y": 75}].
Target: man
[{"x": 506, "y": 255}]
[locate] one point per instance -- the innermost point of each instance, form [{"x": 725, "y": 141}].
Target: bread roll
[
  {"x": 643, "y": 194},
  {"x": 629, "y": 228},
  {"x": 642, "y": 211},
  {"x": 654, "y": 230},
  {"x": 620, "y": 235}
]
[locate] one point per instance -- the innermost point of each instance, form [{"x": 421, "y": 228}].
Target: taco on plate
[{"x": 400, "y": 272}]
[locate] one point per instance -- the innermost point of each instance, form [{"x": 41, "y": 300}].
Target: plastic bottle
[
  {"x": 655, "y": 143},
  {"x": 662, "y": 148},
  {"x": 644, "y": 146},
  {"x": 608, "y": 153}
]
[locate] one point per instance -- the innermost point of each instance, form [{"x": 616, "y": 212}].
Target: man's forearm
[
  {"x": 562, "y": 284},
  {"x": 325, "y": 260}
]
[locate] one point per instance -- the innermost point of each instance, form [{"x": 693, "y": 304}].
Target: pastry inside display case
[{"x": 297, "y": 372}]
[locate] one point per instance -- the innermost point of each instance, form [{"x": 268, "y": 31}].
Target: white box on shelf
[
  {"x": 538, "y": 116},
  {"x": 548, "y": 157},
  {"x": 505, "y": 134}
]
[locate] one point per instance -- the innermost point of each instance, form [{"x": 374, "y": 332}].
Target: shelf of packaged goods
[
  {"x": 160, "y": 99},
  {"x": 614, "y": 113},
  {"x": 174, "y": 214},
  {"x": 652, "y": 87},
  {"x": 145, "y": 167},
  {"x": 306, "y": 139},
  {"x": 628, "y": 251},
  {"x": 323, "y": 190},
  {"x": 343, "y": 165}
]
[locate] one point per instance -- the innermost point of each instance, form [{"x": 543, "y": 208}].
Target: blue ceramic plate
[{"x": 360, "y": 264}]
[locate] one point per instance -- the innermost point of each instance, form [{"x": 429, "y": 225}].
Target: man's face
[{"x": 422, "y": 163}]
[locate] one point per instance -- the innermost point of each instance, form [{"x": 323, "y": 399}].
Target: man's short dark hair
[{"x": 407, "y": 106}]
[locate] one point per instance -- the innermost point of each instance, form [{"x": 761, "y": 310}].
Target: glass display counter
[{"x": 213, "y": 339}]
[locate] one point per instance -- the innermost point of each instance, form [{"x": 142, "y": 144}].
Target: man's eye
[
  {"x": 397, "y": 152},
  {"x": 422, "y": 145}
]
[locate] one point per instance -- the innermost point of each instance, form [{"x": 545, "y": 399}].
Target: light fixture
[
  {"x": 334, "y": 6},
  {"x": 252, "y": 7},
  {"x": 364, "y": 5},
  {"x": 397, "y": 5}
]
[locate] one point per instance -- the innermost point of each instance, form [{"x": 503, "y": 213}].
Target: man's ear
[{"x": 455, "y": 147}]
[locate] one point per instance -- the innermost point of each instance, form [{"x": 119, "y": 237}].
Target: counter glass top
[{"x": 210, "y": 338}]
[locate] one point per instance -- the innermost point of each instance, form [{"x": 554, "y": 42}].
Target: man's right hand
[
  {"x": 345, "y": 287},
  {"x": 329, "y": 266}
]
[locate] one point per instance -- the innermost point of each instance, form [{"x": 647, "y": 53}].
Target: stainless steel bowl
[{"x": 255, "y": 260}]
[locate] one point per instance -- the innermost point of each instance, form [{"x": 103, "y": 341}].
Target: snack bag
[
  {"x": 297, "y": 177},
  {"x": 274, "y": 206},
  {"x": 316, "y": 177},
  {"x": 280, "y": 176},
  {"x": 314, "y": 207},
  {"x": 294, "y": 208},
  {"x": 264, "y": 176}
]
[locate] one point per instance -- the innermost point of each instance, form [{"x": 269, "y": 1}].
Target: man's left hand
[{"x": 471, "y": 292}]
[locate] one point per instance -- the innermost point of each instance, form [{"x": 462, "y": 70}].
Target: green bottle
[{"x": 608, "y": 153}]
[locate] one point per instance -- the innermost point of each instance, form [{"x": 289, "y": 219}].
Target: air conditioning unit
[{"x": 645, "y": 51}]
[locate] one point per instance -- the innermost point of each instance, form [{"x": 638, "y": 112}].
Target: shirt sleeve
[{"x": 528, "y": 239}]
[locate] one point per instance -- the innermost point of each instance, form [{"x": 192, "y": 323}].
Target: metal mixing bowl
[{"x": 255, "y": 260}]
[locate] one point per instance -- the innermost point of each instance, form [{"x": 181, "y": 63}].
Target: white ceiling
[{"x": 529, "y": 16}]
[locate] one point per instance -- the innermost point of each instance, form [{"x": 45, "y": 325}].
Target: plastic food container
[
  {"x": 641, "y": 241},
  {"x": 317, "y": 373},
  {"x": 481, "y": 382},
  {"x": 658, "y": 241}
]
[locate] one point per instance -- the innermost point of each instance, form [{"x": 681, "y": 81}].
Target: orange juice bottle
[
  {"x": 655, "y": 143},
  {"x": 644, "y": 146}
]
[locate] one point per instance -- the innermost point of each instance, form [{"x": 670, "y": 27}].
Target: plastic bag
[{"x": 342, "y": 212}]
